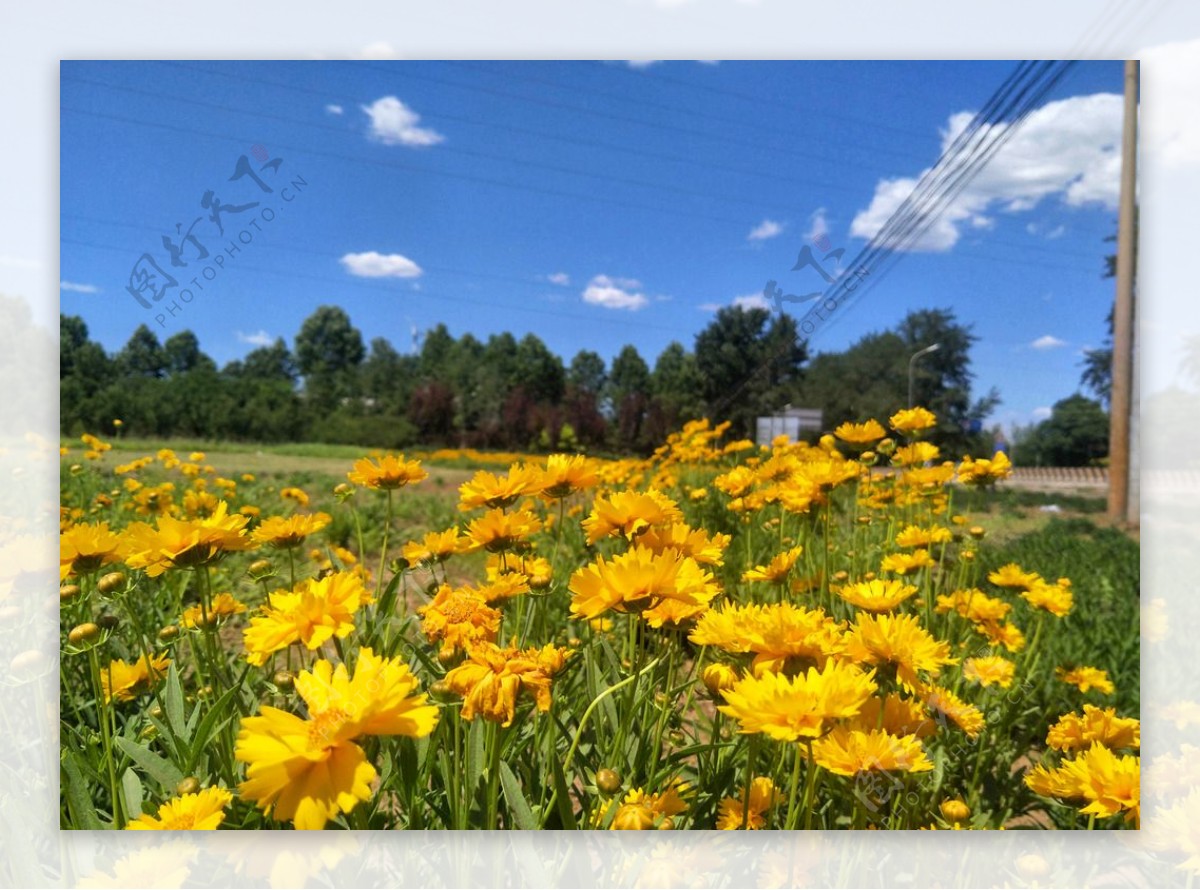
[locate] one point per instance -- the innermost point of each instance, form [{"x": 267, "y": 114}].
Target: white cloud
[
  {"x": 381, "y": 49},
  {"x": 768, "y": 228},
  {"x": 818, "y": 225},
  {"x": 709, "y": 307},
  {"x": 1041, "y": 413},
  {"x": 1069, "y": 148},
  {"x": 394, "y": 123},
  {"x": 334, "y": 109},
  {"x": 258, "y": 338},
  {"x": 380, "y": 265},
  {"x": 1048, "y": 342},
  {"x": 560, "y": 278},
  {"x": 1056, "y": 232},
  {"x": 751, "y": 301},
  {"x": 76, "y": 288},
  {"x": 614, "y": 293}
]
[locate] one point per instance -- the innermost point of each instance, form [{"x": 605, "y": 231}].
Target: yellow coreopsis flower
[
  {"x": 915, "y": 454},
  {"x": 223, "y": 606},
  {"x": 802, "y": 707},
  {"x": 1074, "y": 732},
  {"x": 974, "y": 605},
  {"x": 1012, "y": 575},
  {"x": 896, "y": 715},
  {"x": 912, "y": 420},
  {"x": 638, "y": 580},
  {"x": 390, "y": 472},
  {"x": 83, "y": 549},
  {"x": 860, "y": 433},
  {"x": 749, "y": 808},
  {"x": 459, "y": 618},
  {"x": 312, "y": 613},
  {"x": 776, "y": 570},
  {"x": 990, "y": 669},
  {"x": 640, "y": 811},
  {"x": 696, "y": 543},
  {"x": 1056, "y": 599},
  {"x": 965, "y": 716},
  {"x": 876, "y": 595},
  {"x": 1001, "y": 633},
  {"x": 984, "y": 471},
  {"x": 435, "y": 547},
  {"x": 285, "y": 532},
  {"x": 915, "y": 536},
  {"x": 536, "y": 570},
  {"x": 1087, "y": 678},
  {"x": 848, "y": 752},
  {"x": 565, "y": 475},
  {"x": 498, "y": 491},
  {"x": 202, "y": 811},
  {"x": 491, "y": 678},
  {"x": 906, "y": 563},
  {"x": 629, "y": 513},
  {"x": 184, "y": 543},
  {"x": 899, "y": 640},
  {"x": 496, "y": 530},
  {"x": 308, "y": 771},
  {"x": 292, "y": 493},
  {"x": 121, "y": 681},
  {"x": 1108, "y": 783},
  {"x": 782, "y": 636}
]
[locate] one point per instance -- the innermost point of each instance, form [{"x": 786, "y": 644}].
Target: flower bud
[
  {"x": 156, "y": 712},
  {"x": 886, "y": 447},
  {"x": 148, "y": 732},
  {"x": 111, "y": 583},
  {"x": 968, "y": 555},
  {"x": 108, "y": 622},
  {"x": 955, "y": 810},
  {"x": 68, "y": 593},
  {"x": 190, "y": 785},
  {"x": 284, "y": 680},
  {"x": 868, "y": 458},
  {"x": 447, "y": 657},
  {"x": 343, "y": 490},
  {"x": 168, "y": 633},
  {"x": 84, "y": 633},
  {"x": 441, "y": 690},
  {"x": 259, "y": 568},
  {"x": 608, "y": 781},
  {"x": 718, "y": 677},
  {"x": 977, "y": 531}
]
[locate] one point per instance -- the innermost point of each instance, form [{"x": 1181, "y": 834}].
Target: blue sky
[{"x": 592, "y": 203}]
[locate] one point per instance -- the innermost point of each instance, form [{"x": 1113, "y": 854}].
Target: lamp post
[{"x": 912, "y": 365}]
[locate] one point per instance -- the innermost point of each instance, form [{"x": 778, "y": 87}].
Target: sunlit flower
[
  {"x": 459, "y": 618},
  {"x": 202, "y": 811},
  {"x": 989, "y": 669},
  {"x": 536, "y": 570},
  {"x": 1056, "y": 599},
  {"x": 435, "y": 547},
  {"x": 974, "y": 605},
  {"x": 896, "y": 715},
  {"x": 498, "y": 491},
  {"x": 1001, "y": 633},
  {"x": 184, "y": 543},
  {"x": 776, "y": 570},
  {"x": 734, "y": 811},
  {"x": 629, "y": 513},
  {"x": 1108, "y": 783},
  {"x": 848, "y": 752},
  {"x": 915, "y": 454},
  {"x": 965, "y": 716},
  {"x": 860, "y": 433},
  {"x": 1074, "y": 732},
  {"x": 906, "y": 563},
  {"x": 1012, "y": 575},
  {"x": 915, "y": 536},
  {"x": 496, "y": 530},
  {"x": 984, "y": 471},
  {"x": 783, "y": 637},
  {"x": 696, "y": 543},
  {"x": 292, "y": 493},
  {"x": 312, "y": 613},
  {"x": 567, "y": 474},
  {"x": 223, "y": 606},
  {"x": 308, "y": 771},
  {"x": 284, "y": 532},
  {"x": 122, "y": 681},
  {"x": 390, "y": 472},
  {"x": 640, "y": 811},
  {"x": 491, "y": 678},
  {"x": 801, "y": 707},
  {"x": 1087, "y": 678},
  {"x": 898, "y": 640},
  {"x": 640, "y": 579},
  {"x": 877, "y": 595},
  {"x": 83, "y": 549},
  {"x": 912, "y": 420}
]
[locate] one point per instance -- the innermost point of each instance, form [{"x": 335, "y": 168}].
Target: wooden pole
[{"x": 1122, "y": 361}]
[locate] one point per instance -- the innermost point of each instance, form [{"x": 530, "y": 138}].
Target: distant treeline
[{"x": 508, "y": 393}]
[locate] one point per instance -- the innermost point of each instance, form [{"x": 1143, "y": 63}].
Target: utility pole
[{"x": 1120, "y": 507}]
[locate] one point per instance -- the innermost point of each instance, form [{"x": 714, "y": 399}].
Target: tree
[
  {"x": 329, "y": 351},
  {"x": 142, "y": 356},
  {"x": 1075, "y": 435},
  {"x": 587, "y": 372},
  {"x": 677, "y": 385},
  {"x": 181, "y": 353}
]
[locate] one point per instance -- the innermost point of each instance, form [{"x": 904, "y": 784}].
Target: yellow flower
[
  {"x": 718, "y": 677},
  {"x": 984, "y": 471},
  {"x": 496, "y": 491},
  {"x": 640, "y": 811},
  {"x": 491, "y": 679},
  {"x": 1012, "y": 575},
  {"x": 899, "y": 640},
  {"x": 179, "y": 543},
  {"x": 955, "y": 810},
  {"x": 435, "y": 547},
  {"x": 308, "y": 771},
  {"x": 223, "y": 606},
  {"x": 284, "y": 532},
  {"x": 906, "y": 563},
  {"x": 989, "y": 669},
  {"x": 291, "y": 493},
  {"x": 496, "y": 530},
  {"x": 1073, "y": 732},
  {"x": 83, "y": 549},
  {"x": 459, "y": 618},
  {"x": 199, "y": 503},
  {"x": 877, "y": 595},
  {"x": 564, "y": 475},
  {"x": 965, "y": 716},
  {"x": 122, "y": 681},
  {"x": 848, "y": 752},
  {"x": 896, "y": 715},
  {"x": 629, "y": 513},
  {"x": 1087, "y": 678},
  {"x": 1000, "y": 633},
  {"x": 311, "y": 613},
  {"x": 535, "y": 570},
  {"x": 696, "y": 543},
  {"x": 974, "y": 605},
  {"x": 783, "y": 637},
  {"x": 1056, "y": 599},
  {"x": 202, "y": 811},
  {"x": 733, "y": 810},
  {"x": 860, "y": 433},
  {"x": 787, "y": 709},
  {"x": 736, "y": 482},
  {"x": 638, "y": 580},
  {"x": 389, "y": 473},
  {"x": 1108, "y": 783},
  {"x": 915, "y": 454},
  {"x": 912, "y": 420},
  {"x": 915, "y": 536},
  {"x": 776, "y": 570}
]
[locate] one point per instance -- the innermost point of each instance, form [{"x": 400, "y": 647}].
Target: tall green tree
[
  {"x": 1075, "y": 435},
  {"x": 329, "y": 350}
]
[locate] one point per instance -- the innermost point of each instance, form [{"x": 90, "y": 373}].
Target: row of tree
[{"x": 331, "y": 386}]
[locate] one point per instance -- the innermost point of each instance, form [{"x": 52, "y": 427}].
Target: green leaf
[
  {"x": 523, "y": 815},
  {"x": 209, "y": 726},
  {"x": 79, "y": 803},
  {"x": 162, "y": 771},
  {"x": 562, "y": 796},
  {"x": 474, "y": 755},
  {"x": 131, "y": 787},
  {"x": 173, "y": 704}
]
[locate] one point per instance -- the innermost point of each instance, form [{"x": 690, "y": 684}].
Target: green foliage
[{"x": 1075, "y": 435}]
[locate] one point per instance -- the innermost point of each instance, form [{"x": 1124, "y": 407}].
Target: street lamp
[{"x": 912, "y": 364}]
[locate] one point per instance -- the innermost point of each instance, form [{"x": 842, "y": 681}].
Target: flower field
[{"x": 717, "y": 636}]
